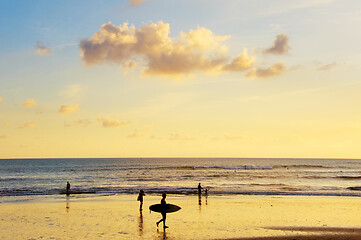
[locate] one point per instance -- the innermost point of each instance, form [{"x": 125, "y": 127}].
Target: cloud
[
  {"x": 108, "y": 122},
  {"x": 29, "y": 103},
  {"x": 135, "y": 2},
  {"x": 328, "y": 66},
  {"x": 279, "y": 46},
  {"x": 197, "y": 50},
  {"x": 240, "y": 63},
  {"x": 275, "y": 69},
  {"x": 78, "y": 123},
  {"x": 174, "y": 136},
  {"x": 232, "y": 138},
  {"x": 140, "y": 132},
  {"x": 4, "y": 136},
  {"x": 42, "y": 50},
  {"x": 68, "y": 109},
  {"x": 72, "y": 91},
  {"x": 27, "y": 125}
]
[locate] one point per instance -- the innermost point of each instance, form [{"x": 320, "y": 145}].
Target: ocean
[{"x": 28, "y": 178}]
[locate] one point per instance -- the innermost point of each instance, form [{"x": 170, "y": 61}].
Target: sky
[{"x": 168, "y": 78}]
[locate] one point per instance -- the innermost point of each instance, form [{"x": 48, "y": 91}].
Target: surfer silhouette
[
  {"x": 140, "y": 199},
  {"x": 67, "y": 186},
  {"x": 163, "y": 211},
  {"x": 199, "y": 189}
]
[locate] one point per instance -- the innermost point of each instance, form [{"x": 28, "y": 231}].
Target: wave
[
  {"x": 349, "y": 177},
  {"x": 282, "y": 190},
  {"x": 300, "y": 166},
  {"x": 247, "y": 167}
]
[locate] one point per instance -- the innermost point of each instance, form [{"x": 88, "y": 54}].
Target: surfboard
[{"x": 170, "y": 208}]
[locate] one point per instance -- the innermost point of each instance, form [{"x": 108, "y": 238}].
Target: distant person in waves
[
  {"x": 67, "y": 186},
  {"x": 140, "y": 199},
  {"x": 199, "y": 189},
  {"x": 164, "y": 211}
]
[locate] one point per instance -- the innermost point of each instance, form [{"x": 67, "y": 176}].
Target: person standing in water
[
  {"x": 164, "y": 210},
  {"x": 67, "y": 186},
  {"x": 199, "y": 189},
  {"x": 140, "y": 199}
]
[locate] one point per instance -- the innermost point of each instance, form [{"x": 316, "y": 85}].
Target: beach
[{"x": 210, "y": 217}]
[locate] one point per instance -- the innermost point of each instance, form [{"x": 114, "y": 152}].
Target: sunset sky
[{"x": 167, "y": 78}]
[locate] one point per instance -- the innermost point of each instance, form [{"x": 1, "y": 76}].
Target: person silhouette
[
  {"x": 140, "y": 199},
  {"x": 163, "y": 211},
  {"x": 199, "y": 189},
  {"x": 67, "y": 186}
]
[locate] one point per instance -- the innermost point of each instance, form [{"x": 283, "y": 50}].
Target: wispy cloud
[
  {"x": 280, "y": 45},
  {"x": 29, "y": 103},
  {"x": 197, "y": 50},
  {"x": 41, "y": 49},
  {"x": 4, "y": 136},
  {"x": 328, "y": 66},
  {"x": 72, "y": 91},
  {"x": 175, "y": 136},
  {"x": 140, "y": 132},
  {"x": 135, "y": 2},
  {"x": 68, "y": 109},
  {"x": 108, "y": 122},
  {"x": 78, "y": 123},
  {"x": 274, "y": 70},
  {"x": 27, "y": 125}
]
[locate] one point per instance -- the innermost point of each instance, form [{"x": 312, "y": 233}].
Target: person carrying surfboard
[{"x": 163, "y": 211}]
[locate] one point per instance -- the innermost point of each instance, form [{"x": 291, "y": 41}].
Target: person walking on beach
[
  {"x": 163, "y": 211},
  {"x": 199, "y": 189},
  {"x": 140, "y": 199},
  {"x": 67, "y": 186}
]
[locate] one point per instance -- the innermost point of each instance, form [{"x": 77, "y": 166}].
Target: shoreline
[{"x": 213, "y": 217}]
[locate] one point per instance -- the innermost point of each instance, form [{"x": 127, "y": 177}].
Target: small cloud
[
  {"x": 135, "y": 2},
  {"x": 72, "y": 91},
  {"x": 29, "y": 103},
  {"x": 68, "y": 109},
  {"x": 328, "y": 66},
  {"x": 232, "y": 138},
  {"x": 240, "y": 63},
  {"x": 108, "y": 122},
  {"x": 140, "y": 132},
  {"x": 275, "y": 69},
  {"x": 4, "y": 136},
  {"x": 177, "y": 136},
  {"x": 27, "y": 125},
  {"x": 78, "y": 123},
  {"x": 42, "y": 50},
  {"x": 280, "y": 45}
]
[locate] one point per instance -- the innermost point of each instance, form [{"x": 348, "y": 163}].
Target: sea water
[{"x": 26, "y": 178}]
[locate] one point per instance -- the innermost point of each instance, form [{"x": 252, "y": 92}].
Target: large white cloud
[{"x": 197, "y": 50}]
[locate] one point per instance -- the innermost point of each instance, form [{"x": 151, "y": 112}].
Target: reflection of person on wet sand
[
  {"x": 140, "y": 199},
  {"x": 164, "y": 210},
  {"x": 199, "y": 189},
  {"x": 141, "y": 223}
]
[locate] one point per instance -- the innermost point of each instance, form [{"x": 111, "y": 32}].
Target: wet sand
[{"x": 214, "y": 217}]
